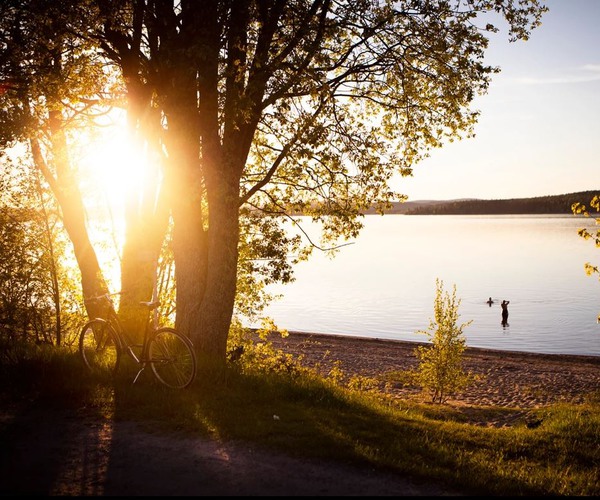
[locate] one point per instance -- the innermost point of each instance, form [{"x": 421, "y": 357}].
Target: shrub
[
  {"x": 578, "y": 209},
  {"x": 440, "y": 370}
]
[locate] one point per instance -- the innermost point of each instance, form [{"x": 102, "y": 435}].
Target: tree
[
  {"x": 279, "y": 108},
  {"x": 51, "y": 78},
  {"x": 293, "y": 106},
  {"x": 36, "y": 300},
  {"x": 580, "y": 209},
  {"x": 440, "y": 368}
]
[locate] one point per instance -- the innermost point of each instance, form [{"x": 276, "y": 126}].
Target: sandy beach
[{"x": 505, "y": 378}]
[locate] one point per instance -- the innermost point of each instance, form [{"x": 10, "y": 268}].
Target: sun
[{"x": 114, "y": 166}]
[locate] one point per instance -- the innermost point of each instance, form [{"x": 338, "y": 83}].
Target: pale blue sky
[{"x": 539, "y": 130}]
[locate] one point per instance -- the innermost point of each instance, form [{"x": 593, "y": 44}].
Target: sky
[{"x": 539, "y": 129}]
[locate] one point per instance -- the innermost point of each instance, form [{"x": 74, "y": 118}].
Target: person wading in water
[{"x": 504, "y": 306}]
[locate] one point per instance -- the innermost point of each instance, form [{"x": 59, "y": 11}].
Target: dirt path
[{"x": 52, "y": 452}]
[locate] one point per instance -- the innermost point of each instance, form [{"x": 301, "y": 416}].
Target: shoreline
[
  {"x": 592, "y": 358},
  {"x": 510, "y": 379}
]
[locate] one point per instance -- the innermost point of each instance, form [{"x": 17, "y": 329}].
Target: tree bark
[
  {"x": 189, "y": 234},
  {"x": 219, "y": 299}
]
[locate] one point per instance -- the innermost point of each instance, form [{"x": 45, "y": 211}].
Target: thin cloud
[
  {"x": 591, "y": 67},
  {"x": 590, "y": 73}
]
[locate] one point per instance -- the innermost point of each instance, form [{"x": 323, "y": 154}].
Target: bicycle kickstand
[{"x": 138, "y": 374}]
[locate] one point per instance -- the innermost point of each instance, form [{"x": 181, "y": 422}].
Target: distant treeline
[{"x": 558, "y": 204}]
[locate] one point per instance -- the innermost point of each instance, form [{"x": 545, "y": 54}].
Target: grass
[{"x": 300, "y": 413}]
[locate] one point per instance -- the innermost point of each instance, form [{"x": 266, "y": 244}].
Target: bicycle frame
[
  {"x": 112, "y": 318},
  {"x": 143, "y": 358}
]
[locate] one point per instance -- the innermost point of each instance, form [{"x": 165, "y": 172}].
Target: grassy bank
[{"x": 554, "y": 451}]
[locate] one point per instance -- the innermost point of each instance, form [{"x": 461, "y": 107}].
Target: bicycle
[{"x": 169, "y": 353}]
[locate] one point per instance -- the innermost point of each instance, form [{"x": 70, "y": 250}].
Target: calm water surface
[{"x": 383, "y": 285}]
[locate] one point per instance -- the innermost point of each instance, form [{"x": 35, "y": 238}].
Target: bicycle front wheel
[
  {"x": 99, "y": 347},
  {"x": 171, "y": 356}
]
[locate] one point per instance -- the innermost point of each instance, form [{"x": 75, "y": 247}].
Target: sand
[{"x": 505, "y": 378}]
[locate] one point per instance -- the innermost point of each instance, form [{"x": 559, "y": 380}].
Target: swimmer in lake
[{"x": 490, "y": 302}]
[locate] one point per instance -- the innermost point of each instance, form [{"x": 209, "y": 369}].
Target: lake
[{"x": 383, "y": 285}]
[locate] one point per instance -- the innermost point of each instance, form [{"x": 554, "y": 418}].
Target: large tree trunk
[
  {"x": 66, "y": 191},
  {"x": 206, "y": 260},
  {"x": 219, "y": 299},
  {"x": 186, "y": 196},
  {"x": 222, "y": 188},
  {"x": 190, "y": 251}
]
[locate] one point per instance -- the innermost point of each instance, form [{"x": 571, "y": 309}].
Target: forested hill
[{"x": 558, "y": 204}]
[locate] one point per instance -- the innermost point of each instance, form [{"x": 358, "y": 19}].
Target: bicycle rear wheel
[
  {"x": 99, "y": 347},
  {"x": 171, "y": 356}
]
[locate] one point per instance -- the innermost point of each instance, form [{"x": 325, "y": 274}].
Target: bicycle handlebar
[{"x": 107, "y": 296}]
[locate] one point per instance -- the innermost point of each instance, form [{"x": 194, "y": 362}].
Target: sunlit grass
[{"x": 305, "y": 415}]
